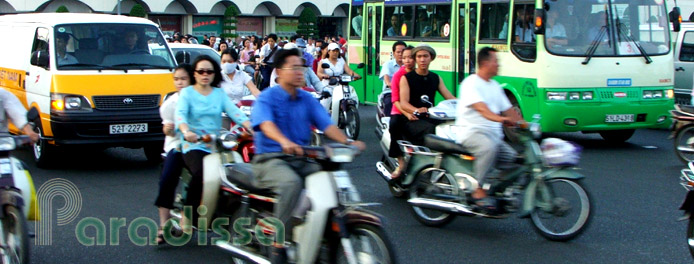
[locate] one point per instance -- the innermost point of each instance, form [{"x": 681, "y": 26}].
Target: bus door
[
  {"x": 373, "y": 51},
  {"x": 467, "y": 36}
]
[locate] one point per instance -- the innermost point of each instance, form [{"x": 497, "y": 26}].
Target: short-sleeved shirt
[
  {"x": 525, "y": 34},
  {"x": 389, "y": 68},
  {"x": 167, "y": 112},
  {"x": 235, "y": 88},
  {"x": 67, "y": 59},
  {"x": 11, "y": 108},
  {"x": 473, "y": 90},
  {"x": 309, "y": 59},
  {"x": 336, "y": 69},
  {"x": 292, "y": 116},
  {"x": 556, "y": 31},
  {"x": 203, "y": 114},
  {"x": 395, "y": 89},
  {"x": 266, "y": 50}
]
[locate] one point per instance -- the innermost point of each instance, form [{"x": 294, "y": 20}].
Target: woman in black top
[{"x": 416, "y": 83}]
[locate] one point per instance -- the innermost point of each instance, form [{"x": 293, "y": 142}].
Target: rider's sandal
[
  {"x": 160, "y": 236},
  {"x": 397, "y": 172}
]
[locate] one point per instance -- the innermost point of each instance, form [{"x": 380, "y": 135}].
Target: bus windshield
[
  {"x": 110, "y": 46},
  {"x": 607, "y": 28}
]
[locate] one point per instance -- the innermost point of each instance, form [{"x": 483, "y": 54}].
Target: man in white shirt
[
  {"x": 482, "y": 109},
  {"x": 392, "y": 66}
]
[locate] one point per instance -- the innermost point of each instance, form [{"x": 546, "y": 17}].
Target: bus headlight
[
  {"x": 647, "y": 94},
  {"x": 574, "y": 96},
  {"x": 587, "y": 95},
  {"x": 556, "y": 96},
  {"x": 670, "y": 93},
  {"x": 657, "y": 94}
]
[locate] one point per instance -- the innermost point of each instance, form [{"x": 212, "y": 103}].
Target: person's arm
[
  {"x": 181, "y": 115},
  {"x": 405, "y": 98},
  {"x": 349, "y": 71},
  {"x": 166, "y": 111},
  {"x": 254, "y": 90},
  {"x": 315, "y": 81},
  {"x": 271, "y": 131},
  {"x": 386, "y": 79},
  {"x": 18, "y": 114},
  {"x": 482, "y": 108},
  {"x": 444, "y": 91}
]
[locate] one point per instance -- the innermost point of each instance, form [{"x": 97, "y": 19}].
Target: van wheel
[
  {"x": 43, "y": 151},
  {"x": 153, "y": 153}
]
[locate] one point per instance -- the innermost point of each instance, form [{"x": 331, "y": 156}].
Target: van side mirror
[
  {"x": 40, "y": 59},
  {"x": 182, "y": 57},
  {"x": 32, "y": 114},
  {"x": 361, "y": 65},
  {"x": 325, "y": 66},
  {"x": 676, "y": 18},
  {"x": 539, "y": 22}
]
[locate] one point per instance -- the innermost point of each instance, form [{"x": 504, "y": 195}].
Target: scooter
[
  {"x": 443, "y": 112},
  {"x": 545, "y": 180},
  {"x": 683, "y": 132},
  {"x": 330, "y": 225},
  {"x": 687, "y": 181},
  {"x": 343, "y": 103},
  {"x": 17, "y": 197}
]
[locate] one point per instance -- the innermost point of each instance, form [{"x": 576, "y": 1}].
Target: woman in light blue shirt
[{"x": 199, "y": 112}]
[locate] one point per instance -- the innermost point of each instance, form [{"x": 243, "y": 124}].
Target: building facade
[{"x": 199, "y": 17}]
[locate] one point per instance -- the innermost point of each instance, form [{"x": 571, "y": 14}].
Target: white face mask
[
  {"x": 317, "y": 49},
  {"x": 229, "y": 67}
]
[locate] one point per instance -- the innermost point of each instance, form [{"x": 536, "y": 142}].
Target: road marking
[{"x": 649, "y": 147}]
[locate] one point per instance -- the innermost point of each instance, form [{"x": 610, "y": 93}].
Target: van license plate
[
  {"x": 619, "y": 119},
  {"x": 128, "y": 128}
]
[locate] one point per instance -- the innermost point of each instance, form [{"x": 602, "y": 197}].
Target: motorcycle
[
  {"x": 343, "y": 103},
  {"x": 687, "y": 181},
  {"x": 546, "y": 181},
  {"x": 18, "y": 198},
  {"x": 331, "y": 228},
  {"x": 444, "y": 112},
  {"x": 683, "y": 132}
]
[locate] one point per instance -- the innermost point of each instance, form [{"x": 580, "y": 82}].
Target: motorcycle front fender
[
  {"x": 212, "y": 172},
  {"x": 531, "y": 189},
  {"x": 361, "y": 216}
]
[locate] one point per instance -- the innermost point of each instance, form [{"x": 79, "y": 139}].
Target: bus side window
[
  {"x": 432, "y": 21},
  {"x": 398, "y": 21},
  {"x": 494, "y": 26},
  {"x": 356, "y": 22},
  {"x": 524, "y": 40}
]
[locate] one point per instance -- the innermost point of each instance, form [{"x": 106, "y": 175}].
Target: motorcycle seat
[
  {"x": 687, "y": 109},
  {"x": 444, "y": 145},
  {"x": 242, "y": 176}
]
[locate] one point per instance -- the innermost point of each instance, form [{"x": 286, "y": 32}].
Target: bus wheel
[
  {"x": 617, "y": 136},
  {"x": 510, "y": 133}
]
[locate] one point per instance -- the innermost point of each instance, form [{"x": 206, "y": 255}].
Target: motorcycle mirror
[
  {"x": 332, "y": 82},
  {"x": 325, "y": 66},
  {"x": 32, "y": 114},
  {"x": 425, "y": 99}
]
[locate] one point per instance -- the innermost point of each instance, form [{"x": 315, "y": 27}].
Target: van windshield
[{"x": 110, "y": 46}]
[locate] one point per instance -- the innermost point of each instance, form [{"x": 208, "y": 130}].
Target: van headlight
[
  {"x": 69, "y": 102},
  {"x": 7, "y": 143}
]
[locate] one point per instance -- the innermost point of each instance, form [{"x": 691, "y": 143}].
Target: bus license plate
[
  {"x": 128, "y": 128},
  {"x": 619, "y": 118}
]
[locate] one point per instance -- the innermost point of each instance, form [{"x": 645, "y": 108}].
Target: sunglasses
[{"x": 205, "y": 72}]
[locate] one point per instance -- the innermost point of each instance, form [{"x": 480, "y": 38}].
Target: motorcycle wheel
[
  {"x": 351, "y": 122},
  {"x": 684, "y": 143},
  {"x": 566, "y": 195},
  {"x": 690, "y": 236},
  {"x": 15, "y": 236},
  {"x": 370, "y": 244},
  {"x": 428, "y": 184}
]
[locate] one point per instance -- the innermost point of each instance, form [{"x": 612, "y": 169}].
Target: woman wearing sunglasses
[{"x": 199, "y": 112}]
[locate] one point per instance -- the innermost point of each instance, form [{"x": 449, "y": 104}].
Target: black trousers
[
  {"x": 266, "y": 72},
  {"x": 193, "y": 160},
  {"x": 416, "y": 130},
  {"x": 173, "y": 165},
  {"x": 396, "y": 129}
]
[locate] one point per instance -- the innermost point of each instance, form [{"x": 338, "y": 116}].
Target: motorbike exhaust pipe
[
  {"x": 383, "y": 171},
  {"x": 448, "y": 207},
  {"x": 242, "y": 254}
]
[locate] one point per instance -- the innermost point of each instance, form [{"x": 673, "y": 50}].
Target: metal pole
[{"x": 119, "y": 7}]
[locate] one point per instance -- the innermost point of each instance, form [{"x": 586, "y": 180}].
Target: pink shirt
[{"x": 395, "y": 89}]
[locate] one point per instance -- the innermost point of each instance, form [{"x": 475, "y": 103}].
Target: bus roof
[{"x": 73, "y": 18}]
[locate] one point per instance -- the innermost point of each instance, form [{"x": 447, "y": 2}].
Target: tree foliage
[
  {"x": 62, "y": 9},
  {"x": 138, "y": 11},
  {"x": 230, "y": 20},
  {"x": 308, "y": 23}
]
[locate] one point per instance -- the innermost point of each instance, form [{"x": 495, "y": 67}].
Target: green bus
[{"x": 601, "y": 66}]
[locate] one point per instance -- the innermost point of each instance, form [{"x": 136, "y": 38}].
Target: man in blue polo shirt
[{"x": 282, "y": 117}]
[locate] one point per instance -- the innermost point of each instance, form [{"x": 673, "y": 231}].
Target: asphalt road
[{"x": 634, "y": 186}]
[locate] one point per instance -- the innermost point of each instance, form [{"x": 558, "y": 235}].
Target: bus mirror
[
  {"x": 361, "y": 65},
  {"x": 40, "y": 58},
  {"x": 539, "y": 21},
  {"x": 676, "y": 18}
]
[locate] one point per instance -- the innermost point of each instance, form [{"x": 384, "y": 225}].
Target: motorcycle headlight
[
  {"x": 7, "y": 143},
  {"x": 346, "y": 191}
]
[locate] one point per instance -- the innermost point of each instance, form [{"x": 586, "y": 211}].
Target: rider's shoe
[
  {"x": 278, "y": 255},
  {"x": 486, "y": 204}
]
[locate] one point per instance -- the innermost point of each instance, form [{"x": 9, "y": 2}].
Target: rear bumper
[{"x": 93, "y": 128}]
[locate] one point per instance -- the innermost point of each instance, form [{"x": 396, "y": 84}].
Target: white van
[
  {"x": 91, "y": 76},
  {"x": 684, "y": 63}
]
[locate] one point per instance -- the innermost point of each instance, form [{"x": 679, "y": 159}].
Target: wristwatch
[{"x": 349, "y": 141}]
